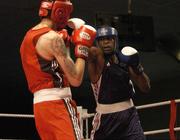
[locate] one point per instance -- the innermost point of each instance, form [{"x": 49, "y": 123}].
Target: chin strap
[{"x": 111, "y": 57}]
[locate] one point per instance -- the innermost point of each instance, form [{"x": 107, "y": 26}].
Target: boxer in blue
[{"x": 112, "y": 72}]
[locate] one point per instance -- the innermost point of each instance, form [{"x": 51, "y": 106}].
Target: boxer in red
[{"x": 50, "y": 70}]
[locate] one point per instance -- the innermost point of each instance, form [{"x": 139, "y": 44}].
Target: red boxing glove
[
  {"x": 65, "y": 36},
  {"x": 83, "y": 39}
]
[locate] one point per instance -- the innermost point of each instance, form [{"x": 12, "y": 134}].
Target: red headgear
[{"x": 60, "y": 11}]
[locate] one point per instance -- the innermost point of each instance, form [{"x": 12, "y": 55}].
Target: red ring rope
[{"x": 172, "y": 120}]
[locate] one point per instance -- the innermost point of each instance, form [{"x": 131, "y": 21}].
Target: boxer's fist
[
  {"x": 83, "y": 38},
  {"x": 75, "y": 23},
  {"x": 130, "y": 56},
  {"x": 65, "y": 36}
]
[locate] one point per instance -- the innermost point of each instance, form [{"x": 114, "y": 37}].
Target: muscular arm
[
  {"x": 51, "y": 46},
  {"x": 95, "y": 64},
  {"x": 142, "y": 80}
]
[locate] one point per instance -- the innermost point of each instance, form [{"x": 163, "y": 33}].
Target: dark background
[{"x": 153, "y": 28}]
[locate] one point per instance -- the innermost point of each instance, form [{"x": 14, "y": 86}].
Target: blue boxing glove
[{"x": 129, "y": 56}]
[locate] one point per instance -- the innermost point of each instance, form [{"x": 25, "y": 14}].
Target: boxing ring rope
[
  {"x": 156, "y": 104},
  {"x": 16, "y": 115},
  {"x": 84, "y": 116},
  {"x": 160, "y": 131},
  {"x": 172, "y": 121}
]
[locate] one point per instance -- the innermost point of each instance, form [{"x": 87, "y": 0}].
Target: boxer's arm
[
  {"x": 141, "y": 80},
  {"x": 50, "y": 46},
  {"x": 95, "y": 64},
  {"x": 130, "y": 57}
]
